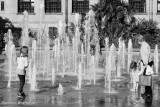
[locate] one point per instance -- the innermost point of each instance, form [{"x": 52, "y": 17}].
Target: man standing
[
  {"x": 145, "y": 50},
  {"x": 145, "y": 53}
]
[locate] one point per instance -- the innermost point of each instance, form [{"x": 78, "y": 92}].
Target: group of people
[{"x": 142, "y": 67}]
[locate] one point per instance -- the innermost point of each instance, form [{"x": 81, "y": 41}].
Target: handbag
[{"x": 145, "y": 80}]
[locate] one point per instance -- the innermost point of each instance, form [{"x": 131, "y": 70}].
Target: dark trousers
[
  {"x": 148, "y": 90},
  {"x": 22, "y": 82}
]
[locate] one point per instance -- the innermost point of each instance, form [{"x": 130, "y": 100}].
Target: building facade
[
  {"x": 65, "y": 10},
  {"x": 55, "y": 10}
]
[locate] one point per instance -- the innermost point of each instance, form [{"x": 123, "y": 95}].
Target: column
[{"x": 66, "y": 15}]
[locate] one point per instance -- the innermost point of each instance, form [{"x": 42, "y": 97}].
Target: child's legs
[
  {"x": 22, "y": 82},
  {"x": 136, "y": 85}
]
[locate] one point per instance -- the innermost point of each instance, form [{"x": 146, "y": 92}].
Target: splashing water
[
  {"x": 123, "y": 54},
  {"x": 25, "y": 35},
  {"x": 34, "y": 69},
  {"x": 80, "y": 76},
  {"x": 11, "y": 56},
  {"x": 53, "y": 69},
  {"x": 107, "y": 54},
  {"x": 119, "y": 58},
  {"x": 156, "y": 60},
  {"x": 130, "y": 53},
  {"x": 60, "y": 89},
  {"x": 111, "y": 60}
]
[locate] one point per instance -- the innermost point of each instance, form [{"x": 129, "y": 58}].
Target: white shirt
[
  {"x": 149, "y": 70},
  {"x": 22, "y": 62}
]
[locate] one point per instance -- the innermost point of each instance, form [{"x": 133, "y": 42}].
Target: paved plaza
[{"x": 89, "y": 96}]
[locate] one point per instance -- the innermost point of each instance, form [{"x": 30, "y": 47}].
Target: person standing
[
  {"x": 22, "y": 64},
  {"x": 145, "y": 50},
  {"x": 145, "y": 53}
]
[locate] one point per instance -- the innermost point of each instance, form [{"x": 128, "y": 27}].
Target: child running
[{"x": 22, "y": 63}]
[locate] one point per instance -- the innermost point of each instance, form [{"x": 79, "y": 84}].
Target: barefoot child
[{"x": 22, "y": 63}]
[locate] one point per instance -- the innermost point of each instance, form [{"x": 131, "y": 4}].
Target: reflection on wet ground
[{"x": 90, "y": 96}]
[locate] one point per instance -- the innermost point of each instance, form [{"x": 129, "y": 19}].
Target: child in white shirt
[
  {"x": 135, "y": 75},
  {"x": 22, "y": 63}
]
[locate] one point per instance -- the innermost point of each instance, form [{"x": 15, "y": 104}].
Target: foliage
[
  {"x": 6, "y": 24},
  {"x": 114, "y": 19},
  {"x": 148, "y": 29}
]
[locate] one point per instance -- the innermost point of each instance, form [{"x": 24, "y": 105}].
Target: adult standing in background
[
  {"x": 145, "y": 53},
  {"x": 145, "y": 50}
]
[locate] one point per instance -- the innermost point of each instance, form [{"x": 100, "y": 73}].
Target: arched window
[
  {"x": 27, "y": 5},
  {"x": 80, "y": 6},
  {"x": 53, "y": 32}
]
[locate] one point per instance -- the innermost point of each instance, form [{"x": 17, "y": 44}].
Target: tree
[
  {"x": 148, "y": 29},
  {"x": 114, "y": 19},
  {"x": 6, "y": 24}
]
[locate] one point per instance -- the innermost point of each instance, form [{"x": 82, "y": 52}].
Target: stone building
[
  {"x": 65, "y": 10},
  {"x": 55, "y": 10}
]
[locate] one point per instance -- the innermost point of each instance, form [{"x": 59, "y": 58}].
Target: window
[
  {"x": 27, "y": 5},
  {"x": 139, "y": 6},
  {"x": 2, "y": 5},
  {"x": 158, "y": 6},
  {"x": 80, "y": 6},
  {"x": 52, "y": 6},
  {"x": 53, "y": 32}
]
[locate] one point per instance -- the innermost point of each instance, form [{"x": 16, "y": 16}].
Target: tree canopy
[
  {"x": 115, "y": 19},
  {"x": 6, "y": 24}
]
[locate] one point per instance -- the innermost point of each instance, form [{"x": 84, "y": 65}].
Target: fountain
[
  {"x": 107, "y": 54},
  {"x": 30, "y": 71},
  {"x": 76, "y": 39},
  {"x": 46, "y": 63},
  {"x": 40, "y": 56},
  {"x": 80, "y": 77},
  {"x": 60, "y": 89},
  {"x": 111, "y": 61},
  {"x": 11, "y": 56},
  {"x": 53, "y": 68},
  {"x": 61, "y": 33},
  {"x": 43, "y": 47},
  {"x": 25, "y": 37},
  {"x": 57, "y": 52},
  {"x": 123, "y": 56},
  {"x": 33, "y": 75},
  {"x": 156, "y": 65},
  {"x": 91, "y": 39},
  {"x": 130, "y": 53},
  {"x": 92, "y": 70},
  {"x": 120, "y": 51}
]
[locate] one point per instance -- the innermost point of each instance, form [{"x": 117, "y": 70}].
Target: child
[
  {"x": 22, "y": 63},
  {"x": 134, "y": 75}
]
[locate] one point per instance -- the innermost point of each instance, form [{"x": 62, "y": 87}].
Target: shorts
[{"x": 21, "y": 71}]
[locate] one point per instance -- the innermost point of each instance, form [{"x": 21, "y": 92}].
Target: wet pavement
[{"x": 89, "y": 96}]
